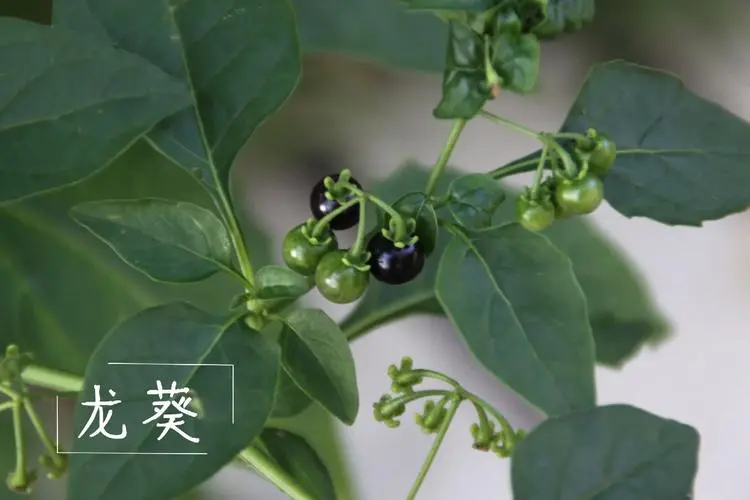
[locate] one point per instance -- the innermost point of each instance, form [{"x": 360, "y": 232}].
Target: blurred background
[{"x": 365, "y": 103}]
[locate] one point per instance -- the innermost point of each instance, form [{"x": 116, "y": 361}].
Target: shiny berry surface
[
  {"x": 338, "y": 282},
  {"x": 320, "y": 206},
  {"x": 394, "y": 265},
  {"x": 302, "y": 255}
]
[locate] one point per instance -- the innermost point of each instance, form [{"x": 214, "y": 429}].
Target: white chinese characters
[
  {"x": 173, "y": 421},
  {"x": 170, "y": 410}
]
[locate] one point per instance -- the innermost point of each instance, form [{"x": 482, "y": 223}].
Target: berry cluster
[
  {"x": 394, "y": 254},
  {"x": 575, "y": 189}
]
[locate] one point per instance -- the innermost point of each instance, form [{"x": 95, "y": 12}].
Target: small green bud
[
  {"x": 484, "y": 434},
  {"x": 402, "y": 377},
  {"x": 387, "y": 409},
  {"x": 432, "y": 417},
  {"x": 56, "y": 468},
  {"x": 22, "y": 483}
]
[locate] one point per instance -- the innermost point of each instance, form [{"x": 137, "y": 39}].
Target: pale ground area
[{"x": 700, "y": 277}]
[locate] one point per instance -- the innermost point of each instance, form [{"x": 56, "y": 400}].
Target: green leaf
[
  {"x": 63, "y": 289},
  {"x": 373, "y": 29},
  {"x": 681, "y": 159},
  {"x": 516, "y": 59},
  {"x": 290, "y": 399},
  {"x": 168, "y": 240},
  {"x": 317, "y": 356},
  {"x": 235, "y": 385},
  {"x": 321, "y": 430},
  {"x": 240, "y": 58},
  {"x": 57, "y": 127},
  {"x": 474, "y": 198},
  {"x": 298, "y": 459},
  {"x": 383, "y": 303},
  {"x": 514, "y": 298},
  {"x": 464, "y": 79},
  {"x": 565, "y": 16},
  {"x": 620, "y": 307},
  {"x": 279, "y": 282},
  {"x": 616, "y": 452}
]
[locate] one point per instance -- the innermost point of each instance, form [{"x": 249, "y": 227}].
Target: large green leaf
[
  {"x": 613, "y": 452},
  {"x": 384, "y": 303},
  {"x": 564, "y": 16},
  {"x": 234, "y": 385},
  {"x": 168, "y": 240},
  {"x": 474, "y": 199},
  {"x": 316, "y": 355},
  {"x": 514, "y": 299},
  {"x": 239, "y": 57},
  {"x": 290, "y": 399},
  {"x": 70, "y": 106},
  {"x": 375, "y": 29},
  {"x": 682, "y": 160},
  {"x": 298, "y": 459},
  {"x": 63, "y": 289},
  {"x": 621, "y": 311},
  {"x": 280, "y": 282}
]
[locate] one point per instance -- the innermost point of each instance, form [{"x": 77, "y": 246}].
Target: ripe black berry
[
  {"x": 320, "y": 206},
  {"x": 394, "y": 265}
]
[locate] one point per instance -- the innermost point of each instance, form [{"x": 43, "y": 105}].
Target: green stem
[
  {"x": 476, "y": 400},
  {"x": 440, "y": 202},
  {"x": 510, "y": 124},
  {"x": 437, "y": 376},
  {"x": 51, "y": 379},
  {"x": 481, "y": 413},
  {"x": 568, "y": 135},
  {"x": 323, "y": 223},
  {"x": 235, "y": 236},
  {"x": 359, "y": 241},
  {"x": 539, "y": 173},
  {"x": 445, "y": 154},
  {"x": 8, "y": 392},
  {"x": 43, "y": 436},
  {"x": 377, "y": 202},
  {"x": 568, "y": 164},
  {"x": 399, "y": 221},
  {"x": 490, "y": 75},
  {"x": 435, "y": 448},
  {"x": 413, "y": 396},
  {"x": 514, "y": 169},
  {"x": 6, "y": 406},
  {"x": 19, "y": 476},
  {"x": 261, "y": 463}
]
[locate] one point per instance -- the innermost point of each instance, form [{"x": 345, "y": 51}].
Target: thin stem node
[{"x": 455, "y": 403}]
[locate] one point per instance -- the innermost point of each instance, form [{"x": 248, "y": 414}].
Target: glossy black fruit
[
  {"x": 320, "y": 206},
  {"x": 394, "y": 265}
]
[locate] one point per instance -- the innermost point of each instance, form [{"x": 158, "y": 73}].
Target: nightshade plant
[{"x": 125, "y": 116}]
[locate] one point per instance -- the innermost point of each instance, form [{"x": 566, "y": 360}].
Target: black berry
[
  {"x": 320, "y": 206},
  {"x": 394, "y": 265}
]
